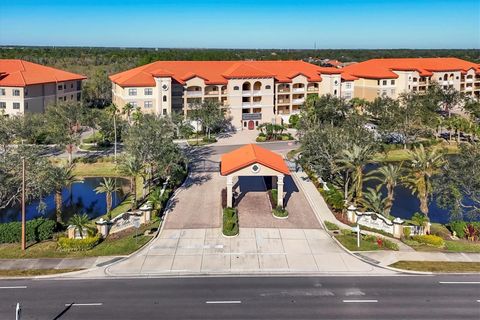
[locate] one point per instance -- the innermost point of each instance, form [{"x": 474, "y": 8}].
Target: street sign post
[
  {"x": 136, "y": 224},
  {"x": 357, "y": 230}
]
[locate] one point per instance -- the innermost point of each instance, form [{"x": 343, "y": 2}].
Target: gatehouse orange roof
[
  {"x": 383, "y": 68},
  {"x": 218, "y": 72},
  {"x": 250, "y": 154},
  {"x": 21, "y": 73}
]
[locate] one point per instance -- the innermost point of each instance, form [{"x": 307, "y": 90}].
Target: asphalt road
[{"x": 400, "y": 297}]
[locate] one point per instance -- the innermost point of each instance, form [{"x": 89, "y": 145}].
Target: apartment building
[
  {"x": 391, "y": 77},
  {"x": 30, "y": 87},
  {"x": 254, "y": 91}
]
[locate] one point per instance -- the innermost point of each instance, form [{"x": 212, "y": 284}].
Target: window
[
  {"x": 148, "y": 91},
  {"x": 3, "y": 105},
  {"x": 79, "y": 96},
  {"x": 335, "y": 92},
  {"x": 16, "y": 105},
  {"x": 25, "y": 92},
  {"x": 26, "y": 105},
  {"x": 245, "y": 124},
  {"x": 134, "y": 103},
  {"x": 348, "y": 85},
  {"x": 164, "y": 98},
  {"x": 236, "y": 88},
  {"x": 2, "y": 92},
  {"x": 64, "y": 86},
  {"x": 60, "y": 87},
  {"x": 147, "y": 104},
  {"x": 16, "y": 92},
  {"x": 384, "y": 82},
  {"x": 71, "y": 97},
  {"x": 79, "y": 85},
  {"x": 164, "y": 112},
  {"x": 132, "y": 92},
  {"x": 392, "y": 82},
  {"x": 268, "y": 87}
]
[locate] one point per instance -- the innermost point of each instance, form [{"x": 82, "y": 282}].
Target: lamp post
[{"x": 23, "y": 205}]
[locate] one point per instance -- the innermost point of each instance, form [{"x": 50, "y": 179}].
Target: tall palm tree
[
  {"x": 157, "y": 198},
  {"x": 108, "y": 186},
  {"x": 127, "y": 109},
  {"x": 373, "y": 200},
  {"x": 132, "y": 167},
  {"x": 423, "y": 166},
  {"x": 80, "y": 222},
  {"x": 389, "y": 176},
  {"x": 354, "y": 161},
  {"x": 63, "y": 177},
  {"x": 113, "y": 111}
]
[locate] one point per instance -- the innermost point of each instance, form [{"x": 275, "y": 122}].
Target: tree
[
  {"x": 210, "y": 114},
  {"x": 389, "y": 176},
  {"x": 62, "y": 177},
  {"x": 271, "y": 130},
  {"x": 324, "y": 109},
  {"x": 108, "y": 186},
  {"x": 132, "y": 167},
  {"x": 80, "y": 222},
  {"x": 97, "y": 90},
  {"x": 420, "y": 219},
  {"x": 354, "y": 161},
  {"x": 157, "y": 198},
  {"x": 373, "y": 200},
  {"x": 127, "y": 110},
  {"x": 113, "y": 111},
  {"x": 64, "y": 121},
  {"x": 421, "y": 169},
  {"x": 458, "y": 188}
]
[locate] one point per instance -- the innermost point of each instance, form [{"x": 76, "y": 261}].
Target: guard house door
[{"x": 251, "y": 125}]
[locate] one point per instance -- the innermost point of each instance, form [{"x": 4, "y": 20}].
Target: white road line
[
  {"x": 478, "y": 300},
  {"x": 223, "y": 302},
  {"x": 459, "y": 282},
  {"x": 83, "y": 304},
  {"x": 16, "y": 287},
  {"x": 360, "y": 301}
]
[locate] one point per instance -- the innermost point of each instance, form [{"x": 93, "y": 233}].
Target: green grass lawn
[
  {"x": 123, "y": 243},
  {"x": 367, "y": 243},
  {"x": 34, "y": 272},
  {"x": 403, "y": 155},
  {"x": 450, "y": 246},
  {"x": 96, "y": 169},
  {"x": 92, "y": 147},
  {"x": 437, "y": 266}
]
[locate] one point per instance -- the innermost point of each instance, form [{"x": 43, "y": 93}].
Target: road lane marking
[
  {"x": 360, "y": 301},
  {"x": 83, "y": 304},
  {"x": 223, "y": 302},
  {"x": 14, "y": 287},
  {"x": 459, "y": 282}
]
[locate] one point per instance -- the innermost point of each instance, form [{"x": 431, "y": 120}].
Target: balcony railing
[
  {"x": 211, "y": 93},
  {"x": 302, "y": 100},
  {"x": 194, "y": 93},
  {"x": 283, "y": 101},
  {"x": 246, "y": 93},
  {"x": 312, "y": 89},
  {"x": 246, "y": 104},
  {"x": 284, "y": 90},
  {"x": 257, "y": 92},
  {"x": 298, "y": 89}
]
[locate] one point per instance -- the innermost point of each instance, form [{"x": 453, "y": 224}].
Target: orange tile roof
[
  {"x": 218, "y": 72},
  {"x": 250, "y": 154},
  {"x": 383, "y": 68},
  {"x": 21, "y": 73}
]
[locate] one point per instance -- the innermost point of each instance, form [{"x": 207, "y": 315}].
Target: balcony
[
  {"x": 298, "y": 89},
  {"x": 246, "y": 93},
  {"x": 194, "y": 93},
  {"x": 283, "y": 101},
  {"x": 246, "y": 104},
  {"x": 284, "y": 90},
  {"x": 298, "y": 101},
  {"x": 312, "y": 89},
  {"x": 257, "y": 92},
  {"x": 211, "y": 93}
]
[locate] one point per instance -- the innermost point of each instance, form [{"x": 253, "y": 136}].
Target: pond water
[
  {"x": 79, "y": 198},
  {"x": 406, "y": 204}
]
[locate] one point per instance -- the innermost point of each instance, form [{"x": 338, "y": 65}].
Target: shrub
[
  {"x": 70, "y": 245},
  {"x": 390, "y": 244},
  {"x": 407, "y": 232},
  {"x": 273, "y": 196},
  {"x": 261, "y": 139},
  {"x": 261, "y": 134},
  {"x": 333, "y": 198},
  {"x": 230, "y": 222},
  {"x": 293, "y": 120},
  {"x": 36, "y": 230},
  {"x": 430, "y": 239},
  {"x": 459, "y": 227},
  {"x": 331, "y": 226},
  {"x": 280, "y": 212},
  {"x": 209, "y": 140}
]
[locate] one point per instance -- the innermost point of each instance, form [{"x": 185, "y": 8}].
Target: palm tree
[
  {"x": 113, "y": 111},
  {"x": 423, "y": 166},
  {"x": 127, "y": 109},
  {"x": 373, "y": 200},
  {"x": 62, "y": 177},
  {"x": 156, "y": 199},
  {"x": 108, "y": 186},
  {"x": 80, "y": 222},
  {"x": 132, "y": 167},
  {"x": 389, "y": 175},
  {"x": 354, "y": 161}
]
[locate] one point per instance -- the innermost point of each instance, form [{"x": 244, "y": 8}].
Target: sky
[{"x": 293, "y": 24}]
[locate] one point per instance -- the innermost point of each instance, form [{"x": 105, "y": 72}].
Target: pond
[
  {"x": 406, "y": 204},
  {"x": 79, "y": 198}
]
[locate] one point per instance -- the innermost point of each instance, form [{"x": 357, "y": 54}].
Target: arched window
[
  {"x": 246, "y": 86},
  {"x": 164, "y": 98},
  {"x": 257, "y": 86},
  {"x": 445, "y": 77}
]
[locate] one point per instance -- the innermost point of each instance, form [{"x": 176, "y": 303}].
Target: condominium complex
[
  {"x": 30, "y": 87},
  {"x": 391, "y": 77},
  {"x": 254, "y": 91}
]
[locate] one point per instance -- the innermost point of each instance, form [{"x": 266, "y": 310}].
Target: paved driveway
[{"x": 255, "y": 250}]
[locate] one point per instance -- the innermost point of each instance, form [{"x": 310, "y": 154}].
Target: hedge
[
  {"x": 36, "y": 230},
  {"x": 70, "y": 245},
  {"x": 430, "y": 239},
  {"x": 459, "y": 228},
  {"x": 230, "y": 222}
]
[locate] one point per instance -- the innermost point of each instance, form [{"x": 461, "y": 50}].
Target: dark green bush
[
  {"x": 230, "y": 222},
  {"x": 459, "y": 227},
  {"x": 333, "y": 198},
  {"x": 70, "y": 245},
  {"x": 280, "y": 212},
  {"x": 36, "y": 230},
  {"x": 261, "y": 139},
  {"x": 209, "y": 140}
]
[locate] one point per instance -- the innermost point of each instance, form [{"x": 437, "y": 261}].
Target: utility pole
[{"x": 23, "y": 205}]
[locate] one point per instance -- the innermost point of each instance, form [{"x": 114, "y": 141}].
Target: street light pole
[{"x": 23, "y": 205}]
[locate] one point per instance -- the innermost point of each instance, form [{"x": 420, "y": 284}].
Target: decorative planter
[
  {"x": 280, "y": 218},
  {"x": 234, "y": 236}
]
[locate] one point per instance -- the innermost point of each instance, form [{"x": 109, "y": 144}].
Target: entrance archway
[{"x": 251, "y": 125}]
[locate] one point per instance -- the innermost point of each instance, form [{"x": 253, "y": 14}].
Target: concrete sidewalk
[{"x": 57, "y": 263}]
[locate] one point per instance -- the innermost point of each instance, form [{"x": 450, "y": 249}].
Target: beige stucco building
[
  {"x": 30, "y": 87},
  {"x": 392, "y": 77},
  {"x": 254, "y": 91}
]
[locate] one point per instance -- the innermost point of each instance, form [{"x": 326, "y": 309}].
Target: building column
[
  {"x": 229, "y": 191},
  {"x": 280, "y": 190}
]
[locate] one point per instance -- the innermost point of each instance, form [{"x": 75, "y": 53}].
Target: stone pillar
[
  {"x": 280, "y": 190},
  {"x": 103, "y": 227},
  {"x": 274, "y": 181},
  {"x": 351, "y": 214},
  {"x": 229, "y": 191},
  {"x": 398, "y": 228}
]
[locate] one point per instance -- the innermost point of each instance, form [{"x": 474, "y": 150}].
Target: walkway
[
  {"x": 254, "y": 251},
  {"x": 56, "y": 263}
]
